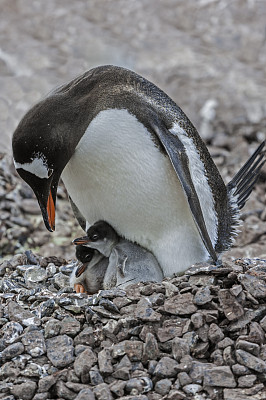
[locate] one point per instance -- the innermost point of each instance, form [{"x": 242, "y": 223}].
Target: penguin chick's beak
[
  {"x": 80, "y": 270},
  {"x": 81, "y": 240}
]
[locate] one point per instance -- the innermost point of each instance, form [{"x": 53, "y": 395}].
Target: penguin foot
[{"x": 79, "y": 288}]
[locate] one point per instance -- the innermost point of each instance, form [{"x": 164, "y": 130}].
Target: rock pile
[{"x": 198, "y": 336}]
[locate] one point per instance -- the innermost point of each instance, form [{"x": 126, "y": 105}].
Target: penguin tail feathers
[{"x": 243, "y": 182}]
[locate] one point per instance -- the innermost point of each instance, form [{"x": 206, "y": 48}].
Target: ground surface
[{"x": 208, "y": 55}]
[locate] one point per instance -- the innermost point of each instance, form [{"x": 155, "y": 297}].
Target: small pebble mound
[{"x": 198, "y": 336}]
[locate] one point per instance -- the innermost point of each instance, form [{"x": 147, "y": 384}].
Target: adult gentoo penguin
[{"x": 128, "y": 155}]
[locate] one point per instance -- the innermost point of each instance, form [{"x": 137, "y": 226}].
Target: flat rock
[
  {"x": 166, "y": 368},
  {"x": 255, "y": 286},
  {"x": 25, "y": 390},
  {"x": 34, "y": 343},
  {"x": 231, "y": 307},
  {"x": 60, "y": 350},
  {"x": 250, "y": 361},
  {"x": 219, "y": 376},
  {"x": 202, "y": 296},
  {"x": 21, "y": 315},
  {"x": 180, "y": 304},
  {"x": 84, "y": 361}
]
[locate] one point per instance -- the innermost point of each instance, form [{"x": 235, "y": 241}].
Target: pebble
[{"x": 60, "y": 350}]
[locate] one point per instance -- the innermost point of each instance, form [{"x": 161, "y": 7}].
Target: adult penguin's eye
[{"x": 50, "y": 171}]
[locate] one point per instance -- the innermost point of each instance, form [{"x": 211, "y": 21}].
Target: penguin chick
[
  {"x": 128, "y": 262},
  {"x": 89, "y": 274}
]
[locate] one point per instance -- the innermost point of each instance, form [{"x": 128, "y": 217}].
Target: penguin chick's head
[
  {"x": 84, "y": 254},
  {"x": 100, "y": 236}
]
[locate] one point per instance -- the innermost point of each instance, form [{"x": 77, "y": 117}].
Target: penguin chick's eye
[
  {"x": 88, "y": 257},
  {"x": 94, "y": 237}
]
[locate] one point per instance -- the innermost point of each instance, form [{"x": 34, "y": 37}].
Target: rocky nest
[{"x": 198, "y": 336}]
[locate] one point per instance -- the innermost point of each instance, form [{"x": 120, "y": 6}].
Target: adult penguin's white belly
[{"x": 118, "y": 174}]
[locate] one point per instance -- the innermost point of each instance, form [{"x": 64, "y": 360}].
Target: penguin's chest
[{"x": 118, "y": 174}]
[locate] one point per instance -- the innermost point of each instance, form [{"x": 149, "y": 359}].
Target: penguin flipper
[
  {"x": 121, "y": 264},
  {"x": 180, "y": 162},
  {"x": 79, "y": 217}
]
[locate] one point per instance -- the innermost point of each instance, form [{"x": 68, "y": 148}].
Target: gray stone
[
  {"x": 34, "y": 343},
  {"x": 228, "y": 356},
  {"x": 197, "y": 320},
  {"x": 95, "y": 377},
  {"x": 46, "y": 383},
  {"x": 250, "y": 361},
  {"x": 34, "y": 275},
  {"x": 202, "y": 296},
  {"x": 244, "y": 394},
  {"x": 102, "y": 392},
  {"x": 133, "y": 397},
  {"x": 263, "y": 323},
  {"x": 192, "y": 388},
  {"x": 61, "y": 280},
  {"x": 166, "y": 368},
  {"x": 86, "y": 337},
  {"x": 134, "y": 349},
  {"x": 25, "y": 390},
  {"x": 248, "y": 316},
  {"x": 239, "y": 369},
  {"x": 231, "y": 307},
  {"x": 150, "y": 348},
  {"x": 19, "y": 314},
  {"x": 236, "y": 290},
  {"x": 60, "y": 350},
  {"x": 250, "y": 347},
  {"x": 11, "y": 331},
  {"x": 256, "y": 287},
  {"x": 41, "y": 396},
  {"x": 117, "y": 387},
  {"x": 63, "y": 392},
  {"x": 215, "y": 333},
  {"x": 219, "y": 376},
  {"x": 180, "y": 348},
  {"x": 122, "y": 373},
  {"x": 52, "y": 328},
  {"x": 84, "y": 362},
  {"x": 70, "y": 326},
  {"x": 13, "y": 350},
  {"x": 145, "y": 312},
  {"x": 138, "y": 385},
  {"x": 181, "y": 304},
  {"x": 184, "y": 379},
  {"x": 247, "y": 381},
  {"x": 171, "y": 329},
  {"x": 225, "y": 343},
  {"x": 176, "y": 395},
  {"x": 105, "y": 362},
  {"x": 85, "y": 394},
  {"x": 256, "y": 333},
  {"x": 163, "y": 386}
]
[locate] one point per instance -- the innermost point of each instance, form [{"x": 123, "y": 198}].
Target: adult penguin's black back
[{"x": 128, "y": 155}]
